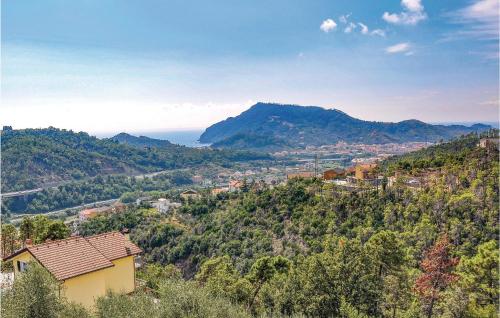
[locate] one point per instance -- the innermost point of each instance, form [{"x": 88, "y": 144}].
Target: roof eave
[{"x": 11, "y": 256}]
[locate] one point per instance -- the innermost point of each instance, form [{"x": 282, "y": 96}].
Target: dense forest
[
  {"x": 309, "y": 248},
  {"x": 96, "y": 189},
  {"x": 38, "y": 157}
]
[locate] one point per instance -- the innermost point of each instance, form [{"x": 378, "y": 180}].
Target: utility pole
[{"x": 316, "y": 158}]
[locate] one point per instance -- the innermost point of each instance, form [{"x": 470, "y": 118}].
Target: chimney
[{"x": 28, "y": 242}]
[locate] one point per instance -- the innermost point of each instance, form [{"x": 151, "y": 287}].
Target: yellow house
[
  {"x": 365, "y": 171},
  {"x": 86, "y": 267}
]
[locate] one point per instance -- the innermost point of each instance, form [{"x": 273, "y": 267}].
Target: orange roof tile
[
  {"x": 70, "y": 257},
  {"x": 113, "y": 245}
]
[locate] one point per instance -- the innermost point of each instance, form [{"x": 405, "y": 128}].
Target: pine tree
[{"x": 436, "y": 276}]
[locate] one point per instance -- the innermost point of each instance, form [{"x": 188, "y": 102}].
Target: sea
[{"x": 187, "y": 138}]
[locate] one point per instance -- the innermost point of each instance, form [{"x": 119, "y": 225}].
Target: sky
[{"x": 106, "y": 66}]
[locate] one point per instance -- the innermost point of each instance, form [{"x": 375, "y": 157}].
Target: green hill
[
  {"x": 40, "y": 157},
  {"x": 141, "y": 141},
  {"x": 300, "y": 126}
]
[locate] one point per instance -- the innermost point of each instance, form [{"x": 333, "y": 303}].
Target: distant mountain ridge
[
  {"x": 300, "y": 126},
  {"x": 141, "y": 141}
]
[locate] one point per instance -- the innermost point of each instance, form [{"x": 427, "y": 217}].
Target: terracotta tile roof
[
  {"x": 69, "y": 258},
  {"x": 79, "y": 255},
  {"x": 113, "y": 245}
]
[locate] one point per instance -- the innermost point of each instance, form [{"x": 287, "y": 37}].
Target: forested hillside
[
  {"x": 141, "y": 141},
  {"x": 37, "y": 157},
  {"x": 300, "y": 126},
  {"x": 311, "y": 248}
]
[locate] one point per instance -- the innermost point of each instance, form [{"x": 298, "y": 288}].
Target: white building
[{"x": 164, "y": 205}]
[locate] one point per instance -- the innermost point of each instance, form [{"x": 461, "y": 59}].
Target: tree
[
  {"x": 40, "y": 228},
  {"x": 397, "y": 293},
  {"x": 436, "y": 276},
  {"x": 33, "y": 294},
  {"x": 154, "y": 274},
  {"x": 263, "y": 270},
  {"x": 220, "y": 277},
  {"x": 9, "y": 237},
  {"x": 189, "y": 299},
  {"x": 479, "y": 277},
  {"x": 57, "y": 230},
  {"x": 123, "y": 306},
  {"x": 26, "y": 229},
  {"x": 384, "y": 249}
]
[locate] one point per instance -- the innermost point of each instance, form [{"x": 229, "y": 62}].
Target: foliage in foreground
[{"x": 35, "y": 295}]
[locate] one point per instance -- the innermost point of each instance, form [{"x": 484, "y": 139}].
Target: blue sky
[{"x": 106, "y": 66}]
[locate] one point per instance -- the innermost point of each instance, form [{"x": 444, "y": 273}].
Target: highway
[
  {"x": 18, "y": 217},
  {"x": 31, "y": 191},
  {"x": 20, "y": 193}
]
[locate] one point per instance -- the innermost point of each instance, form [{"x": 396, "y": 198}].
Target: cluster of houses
[
  {"x": 361, "y": 173},
  {"x": 162, "y": 205},
  {"x": 233, "y": 185}
]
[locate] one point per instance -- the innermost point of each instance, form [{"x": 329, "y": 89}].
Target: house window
[{"x": 22, "y": 266}]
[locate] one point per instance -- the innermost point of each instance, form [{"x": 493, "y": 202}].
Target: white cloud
[
  {"x": 364, "y": 28},
  {"x": 328, "y": 25},
  {"x": 413, "y": 13},
  {"x": 350, "y": 27},
  {"x": 344, "y": 18},
  {"x": 412, "y": 5},
  {"x": 378, "y": 32},
  {"x": 480, "y": 19},
  {"x": 398, "y": 48}
]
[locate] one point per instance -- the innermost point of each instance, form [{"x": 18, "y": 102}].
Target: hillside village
[{"x": 87, "y": 267}]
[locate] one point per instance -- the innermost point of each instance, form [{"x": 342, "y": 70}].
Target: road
[
  {"x": 18, "y": 217},
  {"x": 20, "y": 193},
  {"x": 31, "y": 191}
]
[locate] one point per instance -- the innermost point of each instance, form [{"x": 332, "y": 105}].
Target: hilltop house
[
  {"x": 235, "y": 185},
  {"x": 86, "y": 267},
  {"x": 489, "y": 142},
  {"x": 163, "y": 205},
  {"x": 190, "y": 194},
  {"x": 365, "y": 171},
  {"x": 86, "y": 214},
  {"x": 333, "y": 173}
]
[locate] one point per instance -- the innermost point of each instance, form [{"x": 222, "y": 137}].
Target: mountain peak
[{"x": 298, "y": 126}]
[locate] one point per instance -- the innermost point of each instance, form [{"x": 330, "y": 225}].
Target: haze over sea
[{"x": 187, "y": 138}]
